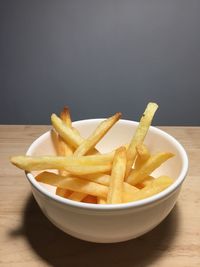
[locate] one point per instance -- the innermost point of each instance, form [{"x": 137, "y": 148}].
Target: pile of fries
[{"x": 86, "y": 175}]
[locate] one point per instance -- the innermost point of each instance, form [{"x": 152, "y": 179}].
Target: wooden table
[{"x": 27, "y": 238}]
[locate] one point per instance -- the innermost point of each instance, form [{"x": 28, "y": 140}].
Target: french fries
[
  {"x": 143, "y": 155},
  {"x": 117, "y": 177},
  {"x": 86, "y": 175},
  {"x": 65, "y": 149},
  {"x": 147, "y": 180},
  {"x": 97, "y": 135},
  {"x": 90, "y": 199},
  {"x": 155, "y": 187},
  {"x": 140, "y": 134},
  {"x": 69, "y": 136},
  {"x": 101, "y": 200},
  {"x": 63, "y": 192},
  {"x": 62, "y": 148},
  {"x": 73, "y": 183},
  {"x": 77, "y": 196},
  {"x": 100, "y": 163},
  {"x": 66, "y": 117},
  {"x": 137, "y": 176}
]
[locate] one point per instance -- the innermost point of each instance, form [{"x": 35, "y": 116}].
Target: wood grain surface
[{"x": 27, "y": 238}]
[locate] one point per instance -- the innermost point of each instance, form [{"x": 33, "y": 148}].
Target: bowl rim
[{"x": 111, "y": 207}]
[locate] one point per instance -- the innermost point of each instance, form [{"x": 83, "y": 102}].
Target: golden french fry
[
  {"x": 89, "y": 169},
  {"x": 101, "y": 200},
  {"x": 143, "y": 151},
  {"x": 68, "y": 150},
  {"x": 126, "y": 146},
  {"x": 155, "y": 187},
  {"x": 50, "y": 178},
  {"x": 69, "y": 136},
  {"x": 140, "y": 134},
  {"x": 65, "y": 149},
  {"x": 90, "y": 199},
  {"x": 96, "y": 136},
  {"x": 73, "y": 183},
  {"x": 54, "y": 138},
  {"x": 63, "y": 192},
  {"x": 77, "y": 196},
  {"x": 148, "y": 179},
  {"x": 128, "y": 191},
  {"x": 77, "y": 165},
  {"x": 143, "y": 155},
  {"x": 137, "y": 176},
  {"x": 66, "y": 117},
  {"x": 103, "y": 179},
  {"x": 62, "y": 149},
  {"x": 115, "y": 191},
  {"x": 76, "y": 132}
]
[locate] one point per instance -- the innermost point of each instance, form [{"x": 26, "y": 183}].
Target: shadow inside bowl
[{"x": 60, "y": 249}]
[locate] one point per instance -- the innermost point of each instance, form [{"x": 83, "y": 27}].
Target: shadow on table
[{"x": 59, "y": 249}]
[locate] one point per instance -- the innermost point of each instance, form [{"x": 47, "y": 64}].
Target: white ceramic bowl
[{"x": 119, "y": 222}]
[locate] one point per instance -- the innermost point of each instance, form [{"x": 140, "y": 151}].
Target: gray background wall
[{"x": 99, "y": 57}]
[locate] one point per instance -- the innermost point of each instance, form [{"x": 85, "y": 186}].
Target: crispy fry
[
  {"x": 62, "y": 149},
  {"x": 73, "y": 183},
  {"x": 88, "y": 164},
  {"x": 148, "y": 179},
  {"x": 68, "y": 150},
  {"x": 103, "y": 179},
  {"x": 77, "y": 196},
  {"x": 117, "y": 177},
  {"x": 126, "y": 146},
  {"x": 69, "y": 136},
  {"x": 101, "y": 200},
  {"x": 63, "y": 192},
  {"x": 89, "y": 169},
  {"x": 138, "y": 176},
  {"x": 66, "y": 117},
  {"x": 96, "y": 136},
  {"x": 90, "y": 199},
  {"x": 65, "y": 149},
  {"x": 155, "y": 187},
  {"x": 143, "y": 151},
  {"x": 128, "y": 191},
  {"x": 54, "y": 138},
  {"x": 143, "y": 155},
  {"x": 140, "y": 134}
]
